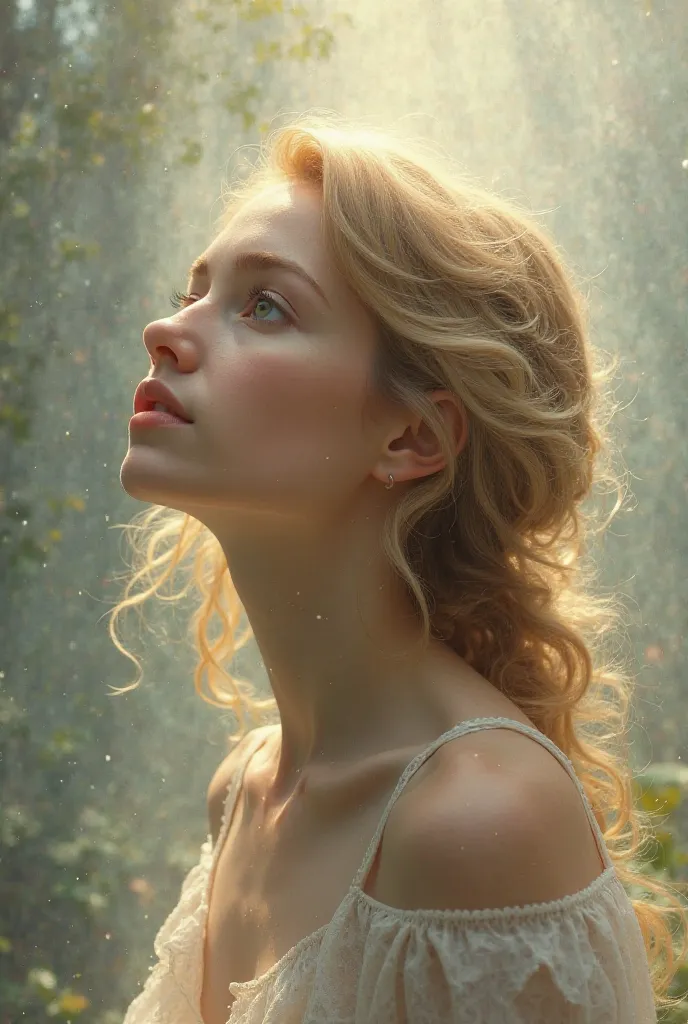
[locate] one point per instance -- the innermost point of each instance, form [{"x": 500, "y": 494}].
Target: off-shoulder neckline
[
  {"x": 356, "y": 894},
  {"x": 494, "y": 914}
]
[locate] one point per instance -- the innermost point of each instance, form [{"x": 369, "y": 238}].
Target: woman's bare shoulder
[{"x": 219, "y": 784}]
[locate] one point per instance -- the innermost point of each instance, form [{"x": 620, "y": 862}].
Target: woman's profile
[{"x": 370, "y": 424}]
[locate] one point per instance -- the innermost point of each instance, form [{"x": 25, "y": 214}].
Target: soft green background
[{"x": 118, "y": 124}]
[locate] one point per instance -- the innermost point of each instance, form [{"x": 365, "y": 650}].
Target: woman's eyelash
[
  {"x": 179, "y": 299},
  {"x": 182, "y": 299}
]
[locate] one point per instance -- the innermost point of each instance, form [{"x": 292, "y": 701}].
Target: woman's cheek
[{"x": 295, "y": 386}]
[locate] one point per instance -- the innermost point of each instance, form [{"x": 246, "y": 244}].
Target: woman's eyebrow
[{"x": 260, "y": 260}]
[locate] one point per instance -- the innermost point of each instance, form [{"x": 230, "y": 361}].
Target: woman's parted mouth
[{"x": 152, "y": 392}]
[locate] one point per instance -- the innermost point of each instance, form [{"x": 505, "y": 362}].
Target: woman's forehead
[
  {"x": 284, "y": 220},
  {"x": 284, "y": 208}
]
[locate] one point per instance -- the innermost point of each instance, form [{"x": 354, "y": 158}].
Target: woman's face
[{"x": 273, "y": 370}]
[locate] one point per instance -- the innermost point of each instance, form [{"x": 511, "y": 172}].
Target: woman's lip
[
  {"x": 156, "y": 418},
  {"x": 151, "y": 391}
]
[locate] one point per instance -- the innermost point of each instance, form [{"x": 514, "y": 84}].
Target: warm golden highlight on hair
[{"x": 470, "y": 295}]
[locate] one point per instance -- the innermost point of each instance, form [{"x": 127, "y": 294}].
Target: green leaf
[
  {"x": 72, "y": 250},
  {"x": 20, "y": 208},
  {"x": 192, "y": 153}
]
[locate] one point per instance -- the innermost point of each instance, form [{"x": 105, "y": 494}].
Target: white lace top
[{"x": 374, "y": 964}]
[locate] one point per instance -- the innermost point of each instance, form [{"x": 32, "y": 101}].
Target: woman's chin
[
  {"x": 140, "y": 483},
  {"x": 148, "y": 482}
]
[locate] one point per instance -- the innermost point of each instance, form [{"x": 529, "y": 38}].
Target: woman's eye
[{"x": 263, "y": 304}]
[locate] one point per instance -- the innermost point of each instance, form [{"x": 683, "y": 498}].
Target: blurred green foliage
[
  {"x": 87, "y": 99},
  {"x": 661, "y": 790},
  {"x": 90, "y": 98}
]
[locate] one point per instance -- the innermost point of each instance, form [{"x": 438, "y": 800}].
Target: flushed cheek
[{"x": 290, "y": 417}]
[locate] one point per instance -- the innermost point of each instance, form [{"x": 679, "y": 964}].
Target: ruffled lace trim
[
  {"x": 466, "y": 966},
  {"x": 172, "y": 992},
  {"x": 582, "y": 954}
]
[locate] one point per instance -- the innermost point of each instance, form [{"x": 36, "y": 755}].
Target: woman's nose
[{"x": 167, "y": 339}]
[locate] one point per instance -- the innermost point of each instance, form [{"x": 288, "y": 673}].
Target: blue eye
[{"x": 261, "y": 308}]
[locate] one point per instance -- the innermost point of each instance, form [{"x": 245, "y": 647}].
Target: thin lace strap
[
  {"x": 463, "y": 728},
  {"x": 256, "y": 739}
]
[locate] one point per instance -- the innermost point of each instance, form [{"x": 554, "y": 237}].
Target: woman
[{"x": 373, "y": 420}]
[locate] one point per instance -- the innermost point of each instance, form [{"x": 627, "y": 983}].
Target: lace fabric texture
[{"x": 577, "y": 960}]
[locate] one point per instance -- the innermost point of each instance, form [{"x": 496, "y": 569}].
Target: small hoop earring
[{"x": 390, "y": 484}]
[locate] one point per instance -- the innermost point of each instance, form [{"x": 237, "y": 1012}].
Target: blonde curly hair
[{"x": 469, "y": 295}]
